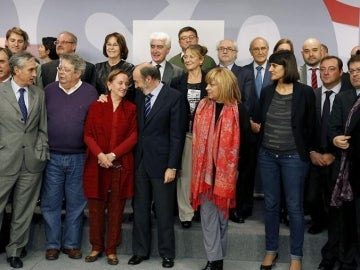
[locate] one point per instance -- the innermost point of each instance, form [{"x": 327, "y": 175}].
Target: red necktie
[{"x": 313, "y": 78}]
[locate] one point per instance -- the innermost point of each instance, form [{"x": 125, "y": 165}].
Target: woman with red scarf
[{"x": 221, "y": 125}]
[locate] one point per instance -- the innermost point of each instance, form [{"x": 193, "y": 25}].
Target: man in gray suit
[
  {"x": 160, "y": 45},
  {"x": 23, "y": 149}
]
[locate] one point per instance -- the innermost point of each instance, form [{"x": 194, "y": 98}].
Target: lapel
[
  {"x": 32, "y": 99},
  {"x": 10, "y": 96},
  {"x": 168, "y": 69},
  {"x": 318, "y": 94},
  {"x": 267, "y": 76},
  {"x": 295, "y": 101}
]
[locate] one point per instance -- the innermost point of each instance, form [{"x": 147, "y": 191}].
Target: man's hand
[
  {"x": 169, "y": 175},
  {"x": 102, "y": 98},
  {"x": 255, "y": 127},
  {"x": 341, "y": 141}
]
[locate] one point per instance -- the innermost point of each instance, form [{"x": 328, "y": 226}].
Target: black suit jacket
[
  {"x": 172, "y": 74},
  {"x": 302, "y": 115},
  {"x": 49, "y": 71},
  {"x": 162, "y": 134}
]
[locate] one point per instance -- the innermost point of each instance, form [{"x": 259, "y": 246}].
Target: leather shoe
[
  {"x": 214, "y": 265},
  {"x": 93, "y": 256},
  {"x": 235, "y": 217},
  {"x": 134, "y": 260},
  {"x": 273, "y": 263},
  {"x": 167, "y": 262},
  {"x": 15, "y": 262},
  {"x": 186, "y": 224},
  {"x": 315, "y": 228},
  {"x": 72, "y": 253},
  {"x": 326, "y": 265},
  {"x": 52, "y": 254},
  {"x": 112, "y": 259}
]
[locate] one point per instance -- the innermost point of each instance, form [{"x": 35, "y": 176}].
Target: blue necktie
[
  {"x": 258, "y": 80},
  {"x": 147, "y": 104},
  {"x": 22, "y": 105}
]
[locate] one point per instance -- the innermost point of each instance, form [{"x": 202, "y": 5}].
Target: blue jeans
[
  {"x": 290, "y": 171},
  {"x": 63, "y": 177}
]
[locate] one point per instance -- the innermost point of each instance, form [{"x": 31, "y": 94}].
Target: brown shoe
[
  {"x": 52, "y": 254},
  {"x": 73, "y": 253},
  {"x": 93, "y": 256},
  {"x": 112, "y": 259}
]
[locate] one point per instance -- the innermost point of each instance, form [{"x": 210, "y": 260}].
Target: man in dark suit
[
  {"x": 66, "y": 43},
  {"x": 162, "y": 125},
  {"x": 344, "y": 132},
  {"x": 160, "y": 45},
  {"x": 259, "y": 67},
  {"x": 321, "y": 177},
  {"x": 227, "y": 54},
  {"x": 24, "y": 149}
]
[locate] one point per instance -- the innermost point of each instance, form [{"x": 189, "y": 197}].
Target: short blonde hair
[{"x": 227, "y": 83}]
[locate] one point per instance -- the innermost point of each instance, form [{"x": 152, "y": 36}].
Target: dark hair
[
  {"x": 328, "y": 57},
  {"x": 186, "y": 29},
  {"x": 354, "y": 58},
  {"x": 124, "y": 51},
  {"x": 48, "y": 43},
  {"x": 284, "y": 41},
  {"x": 357, "y": 52},
  {"x": 288, "y": 60},
  {"x": 150, "y": 70}
]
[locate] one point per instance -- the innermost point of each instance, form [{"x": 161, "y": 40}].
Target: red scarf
[{"x": 215, "y": 149}]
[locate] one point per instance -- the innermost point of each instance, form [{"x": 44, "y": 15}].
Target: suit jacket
[
  {"x": 302, "y": 115},
  {"x": 318, "y": 94},
  {"x": 107, "y": 131},
  {"x": 172, "y": 74},
  {"x": 49, "y": 71},
  {"x": 22, "y": 141},
  {"x": 255, "y": 114},
  {"x": 246, "y": 84},
  {"x": 162, "y": 133},
  {"x": 303, "y": 74}
]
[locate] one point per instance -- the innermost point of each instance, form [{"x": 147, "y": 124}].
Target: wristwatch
[{"x": 174, "y": 169}]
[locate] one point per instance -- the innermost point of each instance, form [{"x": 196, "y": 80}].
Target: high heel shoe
[
  {"x": 295, "y": 264},
  {"x": 273, "y": 263},
  {"x": 93, "y": 256}
]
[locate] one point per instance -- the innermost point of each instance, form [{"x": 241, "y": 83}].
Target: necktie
[
  {"x": 22, "y": 105},
  {"x": 313, "y": 78},
  {"x": 258, "y": 80},
  {"x": 158, "y": 68},
  {"x": 147, "y": 104},
  {"x": 325, "y": 119}
]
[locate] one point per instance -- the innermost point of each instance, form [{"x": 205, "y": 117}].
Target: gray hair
[
  {"x": 75, "y": 60},
  {"x": 161, "y": 36},
  {"x": 73, "y": 37},
  {"x": 19, "y": 60}
]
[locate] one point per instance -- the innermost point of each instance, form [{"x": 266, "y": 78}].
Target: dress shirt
[
  {"x": 308, "y": 75},
  {"x": 16, "y": 88},
  {"x": 262, "y": 71},
  {"x": 335, "y": 89},
  {"x": 229, "y": 67},
  {"x": 155, "y": 93},
  {"x": 161, "y": 69}
]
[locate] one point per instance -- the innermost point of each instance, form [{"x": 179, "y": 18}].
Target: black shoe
[
  {"x": 23, "y": 253},
  {"x": 316, "y": 228},
  {"x": 131, "y": 217},
  {"x": 15, "y": 262},
  {"x": 134, "y": 260},
  {"x": 197, "y": 216},
  {"x": 167, "y": 262},
  {"x": 214, "y": 265},
  {"x": 186, "y": 224},
  {"x": 235, "y": 217},
  {"x": 326, "y": 265},
  {"x": 269, "y": 267}
]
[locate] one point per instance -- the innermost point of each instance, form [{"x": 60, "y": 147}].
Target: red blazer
[{"x": 99, "y": 127}]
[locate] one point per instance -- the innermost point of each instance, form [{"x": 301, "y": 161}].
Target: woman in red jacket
[{"x": 110, "y": 134}]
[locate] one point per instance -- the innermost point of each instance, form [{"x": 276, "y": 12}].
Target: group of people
[{"x": 185, "y": 134}]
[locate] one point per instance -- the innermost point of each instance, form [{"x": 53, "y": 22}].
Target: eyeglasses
[
  {"x": 112, "y": 45},
  {"x": 63, "y": 69},
  {"x": 223, "y": 49},
  {"x": 192, "y": 37},
  {"x": 57, "y": 42},
  {"x": 354, "y": 71},
  {"x": 258, "y": 49},
  {"x": 329, "y": 69}
]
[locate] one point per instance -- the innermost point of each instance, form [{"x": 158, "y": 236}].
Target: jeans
[
  {"x": 63, "y": 178},
  {"x": 290, "y": 171}
]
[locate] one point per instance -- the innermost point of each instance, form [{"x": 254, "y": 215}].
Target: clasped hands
[{"x": 105, "y": 160}]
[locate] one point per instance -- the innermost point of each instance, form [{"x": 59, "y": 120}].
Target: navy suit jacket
[
  {"x": 161, "y": 135},
  {"x": 49, "y": 71},
  {"x": 302, "y": 115},
  {"x": 255, "y": 115}
]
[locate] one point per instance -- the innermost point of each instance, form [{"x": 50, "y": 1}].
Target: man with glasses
[
  {"x": 344, "y": 133},
  {"x": 188, "y": 36},
  {"x": 66, "y": 43},
  {"x": 227, "y": 54},
  {"x": 67, "y": 103}
]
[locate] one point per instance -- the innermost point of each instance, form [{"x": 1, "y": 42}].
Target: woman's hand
[{"x": 104, "y": 161}]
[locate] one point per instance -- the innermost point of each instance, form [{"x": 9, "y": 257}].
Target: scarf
[
  {"x": 342, "y": 190},
  {"x": 215, "y": 150}
]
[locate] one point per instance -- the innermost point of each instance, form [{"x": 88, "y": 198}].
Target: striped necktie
[{"x": 147, "y": 104}]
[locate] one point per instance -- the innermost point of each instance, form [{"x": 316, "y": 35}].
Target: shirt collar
[
  {"x": 335, "y": 89},
  {"x": 72, "y": 89}
]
